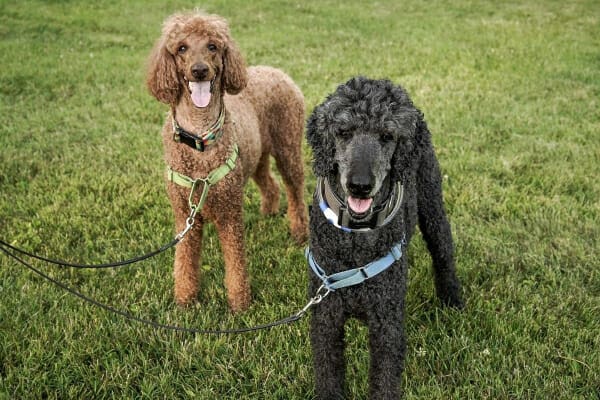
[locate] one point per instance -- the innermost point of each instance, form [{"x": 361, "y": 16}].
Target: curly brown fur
[
  {"x": 264, "y": 116},
  {"x": 365, "y": 137}
]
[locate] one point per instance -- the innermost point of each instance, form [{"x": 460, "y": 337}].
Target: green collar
[
  {"x": 211, "y": 179},
  {"x": 199, "y": 142}
]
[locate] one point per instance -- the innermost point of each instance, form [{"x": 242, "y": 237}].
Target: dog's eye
[
  {"x": 212, "y": 47},
  {"x": 387, "y": 137},
  {"x": 344, "y": 134},
  {"x": 182, "y": 49}
]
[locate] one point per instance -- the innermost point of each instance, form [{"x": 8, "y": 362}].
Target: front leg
[
  {"x": 435, "y": 228},
  {"x": 230, "y": 229},
  {"x": 387, "y": 347},
  {"x": 327, "y": 342},
  {"x": 188, "y": 250}
]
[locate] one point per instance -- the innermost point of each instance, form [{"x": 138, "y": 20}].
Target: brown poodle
[{"x": 197, "y": 69}]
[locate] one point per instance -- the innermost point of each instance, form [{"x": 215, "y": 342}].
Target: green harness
[{"x": 211, "y": 179}]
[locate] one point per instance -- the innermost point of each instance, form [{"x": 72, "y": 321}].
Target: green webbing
[{"x": 212, "y": 178}]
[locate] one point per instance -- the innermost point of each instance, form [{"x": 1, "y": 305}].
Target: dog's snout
[
  {"x": 360, "y": 185},
  {"x": 200, "y": 71}
]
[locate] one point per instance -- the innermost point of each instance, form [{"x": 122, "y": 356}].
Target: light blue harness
[{"x": 355, "y": 276}]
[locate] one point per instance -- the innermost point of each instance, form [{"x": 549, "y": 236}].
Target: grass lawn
[{"x": 511, "y": 93}]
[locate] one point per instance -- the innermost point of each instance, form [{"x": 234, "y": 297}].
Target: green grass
[{"x": 510, "y": 91}]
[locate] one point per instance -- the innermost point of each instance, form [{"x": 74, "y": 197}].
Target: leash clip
[
  {"x": 316, "y": 299},
  {"x": 189, "y": 222}
]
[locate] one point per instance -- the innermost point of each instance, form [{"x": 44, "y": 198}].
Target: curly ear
[
  {"x": 235, "y": 76},
  {"x": 408, "y": 153},
  {"x": 323, "y": 149},
  {"x": 422, "y": 140},
  {"x": 161, "y": 77}
]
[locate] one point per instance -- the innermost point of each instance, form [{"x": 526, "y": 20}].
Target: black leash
[
  {"x": 292, "y": 318},
  {"x": 8, "y": 249},
  {"x": 116, "y": 264}
]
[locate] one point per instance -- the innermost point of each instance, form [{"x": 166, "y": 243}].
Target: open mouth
[
  {"x": 359, "y": 208},
  {"x": 356, "y": 212},
  {"x": 200, "y": 92}
]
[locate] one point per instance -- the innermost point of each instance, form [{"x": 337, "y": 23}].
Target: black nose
[
  {"x": 360, "y": 185},
  {"x": 199, "y": 71}
]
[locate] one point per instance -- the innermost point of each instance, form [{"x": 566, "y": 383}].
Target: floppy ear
[
  {"x": 322, "y": 147},
  {"x": 409, "y": 150},
  {"x": 235, "y": 76},
  {"x": 161, "y": 76},
  {"x": 422, "y": 140}
]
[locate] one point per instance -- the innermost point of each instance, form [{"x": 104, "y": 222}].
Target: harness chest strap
[
  {"x": 355, "y": 276},
  {"x": 211, "y": 179}
]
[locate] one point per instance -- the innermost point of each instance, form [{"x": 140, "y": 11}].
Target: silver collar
[{"x": 336, "y": 209}]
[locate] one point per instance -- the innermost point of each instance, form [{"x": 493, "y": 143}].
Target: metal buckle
[
  {"x": 193, "y": 190},
  {"x": 316, "y": 299}
]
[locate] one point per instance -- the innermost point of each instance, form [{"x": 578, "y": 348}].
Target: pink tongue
[
  {"x": 200, "y": 93},
  {"x": 359, "y": 206}
]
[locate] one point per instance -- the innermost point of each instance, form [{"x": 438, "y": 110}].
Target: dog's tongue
[
  {"x": 359, "y": 206},
  {"x": 200, "y": 93}
]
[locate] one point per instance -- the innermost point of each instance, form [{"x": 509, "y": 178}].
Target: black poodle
[{"x": 377, "y": 175}]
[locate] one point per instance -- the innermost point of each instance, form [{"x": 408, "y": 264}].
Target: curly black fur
[{"x": 384, "y": 118}]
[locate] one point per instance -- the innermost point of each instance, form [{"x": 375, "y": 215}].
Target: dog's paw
[
  {"x": 269, "y": 208},
  {"x": 453, "y": 300},
  {"x": 448, "y": 290},
  {"x": 185, "y": 296},
  {"x": 240, "y": 303},
  {"x": 185, "y": 301},
  {"x": 300, "y": 236},
  {"x": 299, "y": 228}
]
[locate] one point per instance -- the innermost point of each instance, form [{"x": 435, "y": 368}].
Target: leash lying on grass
[
  {"x": 11, "y": 251},
  {"x": 116, "y": 264},
  {"x": 292, "y": 318}
]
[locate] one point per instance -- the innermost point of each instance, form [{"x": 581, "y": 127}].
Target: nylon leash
[
  {"x": 116, "y": 264},
  {"x": 157, "y": 325}
]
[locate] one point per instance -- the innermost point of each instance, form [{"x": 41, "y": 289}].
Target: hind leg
[
  {"x": 269, "y": 189},
  {"x": 291, "y": 168},
  {"x": 286, "y": 136}
]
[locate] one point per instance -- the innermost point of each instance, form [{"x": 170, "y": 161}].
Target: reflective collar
[{"x": 336, "y": 209}]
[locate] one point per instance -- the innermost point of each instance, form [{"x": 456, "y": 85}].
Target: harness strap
[
  {"x": 355, "y": 276},
  {"x": 211, "y": 179}
]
